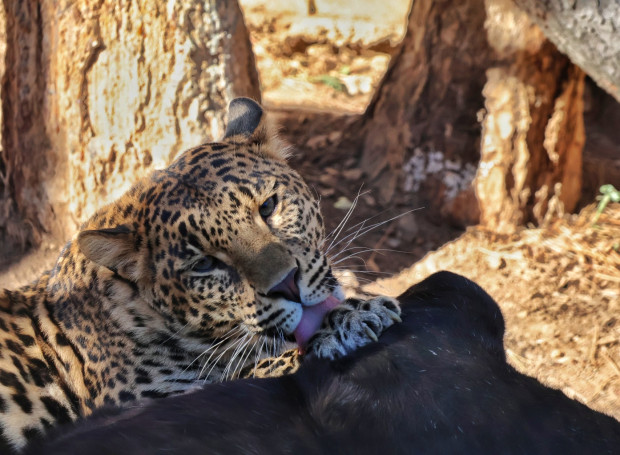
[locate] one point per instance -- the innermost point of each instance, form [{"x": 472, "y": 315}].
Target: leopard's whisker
[
  {"x": 356, "y": 268},
  {"x": 232, "y": 358},
  {"x": 282, "y": 341},
  {"x": 380, "y": 250},
  {"x": 367, "y": 250},
  {"x": 363, "y": 222},
  {"x": 174, "y": 334},
  {"x": 239, "y": 350},
  {"x": 354, "y": 255},
  {"x": 274, "y": 347},
  {"x": 245, "y": 353},
  {"x": 232, "y": 332},
  {"x": 376, "y": 215},
  {"x": 247, "y": 338},
  {"x": 336, "y": 232},
  {"x": 231, "y": 345},
  {"x": 250, "y": 347},
  {"x": 369, "y": 272},
  {"x": 216, "y": 361},
  {"x": 258, "y": 355},
  {"x": 358, "y": 279},
  {"x": 352, "y": 236},
  {"x": 349, "y": 238},
  {"x": 363, "y": 230},
  {"x": 243, "y": 357},
  {"x": 347, "y": 250}
]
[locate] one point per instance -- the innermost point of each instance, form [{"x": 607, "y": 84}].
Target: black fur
[
  {"x": 437, "y": 383},
  {"x": 244, "y": 116}
]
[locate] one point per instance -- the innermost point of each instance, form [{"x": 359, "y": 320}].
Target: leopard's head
[{"x": 228, "y": 237}]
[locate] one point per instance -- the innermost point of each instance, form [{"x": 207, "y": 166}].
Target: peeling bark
[
  {"x": 532, "y": 131},
  {"x": 96, "y": 93}
]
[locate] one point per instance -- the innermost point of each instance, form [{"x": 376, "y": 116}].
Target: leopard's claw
[
  {"x": 353, "y": 324},
  {"x": 394, "y": 315},
  {"x": 371, "y": 334}
]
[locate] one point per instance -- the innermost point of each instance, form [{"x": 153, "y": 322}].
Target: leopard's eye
[
  {"x": 204, "y": 265},
  {"x": 266, "y": 208}
]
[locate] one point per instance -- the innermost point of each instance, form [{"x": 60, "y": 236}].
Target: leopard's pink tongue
[{"x": 311, "y": 320}]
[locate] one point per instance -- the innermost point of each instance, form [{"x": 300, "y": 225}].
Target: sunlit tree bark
[{"x": 95, "y": 93}]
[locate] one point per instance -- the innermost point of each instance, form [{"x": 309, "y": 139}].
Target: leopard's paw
[{"x": 353, "y": 324}]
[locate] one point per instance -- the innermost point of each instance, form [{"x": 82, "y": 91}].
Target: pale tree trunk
[
  {"x": 532, "y": 131},
  {"x": 587, "y": 31},
  {"x": 96, "y": 93},
  {"x": 466, "y": 63}
]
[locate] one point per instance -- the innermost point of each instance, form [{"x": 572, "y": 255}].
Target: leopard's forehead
[{"x": 232, "y": 167}]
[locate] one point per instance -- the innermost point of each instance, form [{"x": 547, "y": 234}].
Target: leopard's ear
[
  {"x": 117, "y": 249},
  {"x": 248, "y": 122}
]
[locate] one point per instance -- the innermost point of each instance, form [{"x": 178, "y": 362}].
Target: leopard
[{"x": 211, "y": 269}]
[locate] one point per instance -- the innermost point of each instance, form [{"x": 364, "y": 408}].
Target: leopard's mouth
[
  {"x": 311, "y": 320},
  {"x": 312, "y": 315},
  {"x": 288, "y": 287}
]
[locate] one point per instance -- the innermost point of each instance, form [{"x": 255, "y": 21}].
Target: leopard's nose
[{"x": 287, "y": 288}]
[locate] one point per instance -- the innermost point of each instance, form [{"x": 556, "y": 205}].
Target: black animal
[{"x": 437, "y": 383}]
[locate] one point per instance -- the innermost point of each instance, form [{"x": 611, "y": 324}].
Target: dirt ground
[{"x": 558, "y": 287}]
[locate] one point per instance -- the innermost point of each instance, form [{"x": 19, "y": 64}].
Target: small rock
[
  {"x": 393, "y": 242},
  {"x": 334, "y": 136},
  {"x": 327, "y": 180},
  {"x": 408, "y": 228},
  {"x": 347, "y": 278},
  {"x": 317, "y": 141},
  {"x": 343, "y": 203},
  {"x": 352, "y": 174},
  {"x": 319, "y": 50},
  {"x": 327, "y": 192},
  {"x": 331, "y": 63},
  {"x": 463, "y": 210},
  {"x": 496, "y": 262},
  {"x": 356, "y": 85},
  {"x": 380, "y": 61}
]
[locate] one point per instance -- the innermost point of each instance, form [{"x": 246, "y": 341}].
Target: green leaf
[{"x": 330, "y": 81}]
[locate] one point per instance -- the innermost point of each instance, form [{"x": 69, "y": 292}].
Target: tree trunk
[
  {"x": 461, "y": 64},
  {"x": 429, "y": 97},
  {"x": 585, "y": 31},
  {"x": 532, "y": 132},
  {"x": 96, "y": 93}
]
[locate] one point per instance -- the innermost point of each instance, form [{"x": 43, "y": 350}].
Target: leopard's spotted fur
[{"x": 212, "y": 258}]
